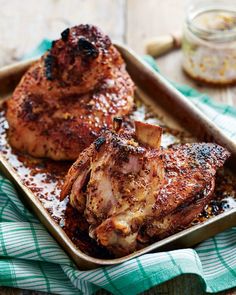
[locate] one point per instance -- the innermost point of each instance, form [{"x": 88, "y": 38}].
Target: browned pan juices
[
  {"x": 173, "y": 110},
  {"x": 44, "y": 178}
]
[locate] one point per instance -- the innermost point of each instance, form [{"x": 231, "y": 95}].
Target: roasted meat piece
[
  {"x": 67, "y": 97},
  {"x": 189, "y": 184},
  {"x": 133, "y": 192},
  {"x": 114, "y": 184}
]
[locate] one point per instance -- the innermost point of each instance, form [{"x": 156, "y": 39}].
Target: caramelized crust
[
  {"x": 116, "y": 189},
  {"x": 72, "y": 93},
  {"x": 188, "y": 187},
  {"x": 189, "y": 168},
  {"x": 132, "y": 194}
]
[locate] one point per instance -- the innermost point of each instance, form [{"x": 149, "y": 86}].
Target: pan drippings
[{"x": 44, "y": 178}]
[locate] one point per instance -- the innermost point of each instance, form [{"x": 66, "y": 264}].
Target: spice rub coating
[
  {"x": 69, "y": 96},
  {"x": 132, "y": 193},
  {"x": 188, "y": 187}
]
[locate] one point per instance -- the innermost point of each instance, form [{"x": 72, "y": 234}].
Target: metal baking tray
[{"x": 163, "y": 98}]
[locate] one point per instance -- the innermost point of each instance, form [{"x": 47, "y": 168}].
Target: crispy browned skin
[
  {"x": 114, "y": 183},
  {"x": 188, "y": 187},
  {"x": 132, "y": 194},
  {"x": 72, "y": 93}
]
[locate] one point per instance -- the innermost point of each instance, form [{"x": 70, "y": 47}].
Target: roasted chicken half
[
  {"x": 133, "y": 192},
  {"x": 67, "y": 97}
]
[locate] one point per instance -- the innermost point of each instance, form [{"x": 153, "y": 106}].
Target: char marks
[
  {"x": 137, "y": 194},
  {"x": 70, "y": 96}
]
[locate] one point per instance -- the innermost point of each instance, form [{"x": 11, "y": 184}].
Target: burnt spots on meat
[
  {"x": 122, "y": 156},
  {"x": 99, "y": 142},
  {"x": 203, "y": 153},
  {"x": 221, "y": 154},
  {"x": 210, "y": 153},
  {"x": 49, "y": 63},
  {"x": 215, "y": 207},
  {"x": 117, "y": 123},
  {"x": 65, "y": 34},
  {"x": 45, "y": 132},
  {"x": 93, "y": 34},
  {"x": 27, "y": 110},
  {"x": 31, "y": 108},
  {"x": 84, "y": 29},
  {"x": 124, "y": 150},
  {"x": 197, "y": 154},
  {"x": 53, "y": 44},
  {"x": 87, "y": 49},
  {"x": 35, "y": 73},
  {"x": 107, "y": 42}
]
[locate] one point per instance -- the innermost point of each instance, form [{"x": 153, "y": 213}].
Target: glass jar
[{"x": 209, "y": 41}]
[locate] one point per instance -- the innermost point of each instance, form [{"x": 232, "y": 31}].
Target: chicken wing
[
  {"x": 69, "y": 96},
  {"x": 132, "y": 192}
]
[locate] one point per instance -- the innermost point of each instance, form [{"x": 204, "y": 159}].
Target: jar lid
[{"x": 213, "y": 22}]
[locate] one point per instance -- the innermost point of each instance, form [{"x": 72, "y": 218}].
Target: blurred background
[{"x": 24, "y": 24}]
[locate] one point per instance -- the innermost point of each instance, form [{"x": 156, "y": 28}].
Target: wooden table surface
[{"x": 23, "y": 24}]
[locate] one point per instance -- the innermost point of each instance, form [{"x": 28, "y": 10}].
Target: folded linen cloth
[{"x": 31, "y": 259}]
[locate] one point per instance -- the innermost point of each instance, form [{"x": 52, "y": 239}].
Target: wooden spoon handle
[{"x": 162, "y": 44}]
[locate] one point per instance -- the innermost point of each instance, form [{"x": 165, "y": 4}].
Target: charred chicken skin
[
  {"x": 133, "y": 192},
  {"x": 69, "y": 96}
]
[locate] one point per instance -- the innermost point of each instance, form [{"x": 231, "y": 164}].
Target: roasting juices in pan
[
  {"x": 132, "y": 192},
  {"x": 132, "y": 182}
]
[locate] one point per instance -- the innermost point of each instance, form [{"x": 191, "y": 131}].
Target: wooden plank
[
  {"x": 173, "y": 60},
  {"x": 23, "y": 24},
  {"x": 147, "y": 19}
]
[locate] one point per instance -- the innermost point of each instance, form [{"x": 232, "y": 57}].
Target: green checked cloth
[{"x": 30, "y": 257}]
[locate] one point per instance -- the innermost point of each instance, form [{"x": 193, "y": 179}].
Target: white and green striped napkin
[{"x": 31, "y": 259}]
